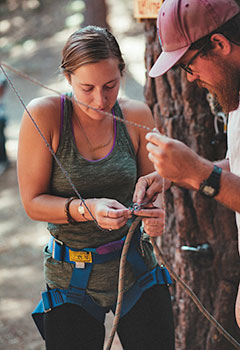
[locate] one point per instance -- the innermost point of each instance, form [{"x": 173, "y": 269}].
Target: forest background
[{"x": 32, "y": 33}]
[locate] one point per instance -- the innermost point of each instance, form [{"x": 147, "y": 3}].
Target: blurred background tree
[{"x": 95, "y": 13}]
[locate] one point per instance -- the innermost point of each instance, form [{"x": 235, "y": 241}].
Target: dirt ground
[{"x": 31, "y": 41}]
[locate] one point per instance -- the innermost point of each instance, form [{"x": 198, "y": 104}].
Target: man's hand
[{"x": 175, "y": 161}]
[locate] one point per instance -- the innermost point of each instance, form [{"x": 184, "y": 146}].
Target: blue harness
[{"x": 83, "y": 261}]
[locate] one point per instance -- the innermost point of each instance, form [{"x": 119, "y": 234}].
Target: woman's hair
[
  {"x": 88, "y": 45},
  {"x": 230, "y": 29}
]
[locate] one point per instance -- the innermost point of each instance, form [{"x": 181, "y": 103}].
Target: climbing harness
[
  {"x": 126, "y": 245},
  {"x": 83, "y": 261}
]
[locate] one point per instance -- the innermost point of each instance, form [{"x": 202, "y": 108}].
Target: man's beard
[{"x": 226, "y": 91}]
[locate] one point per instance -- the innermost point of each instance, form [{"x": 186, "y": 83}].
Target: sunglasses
[{"x": 186, "y": 66}]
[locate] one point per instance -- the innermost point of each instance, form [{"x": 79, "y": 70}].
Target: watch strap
[{"x": 210, "y": 187}]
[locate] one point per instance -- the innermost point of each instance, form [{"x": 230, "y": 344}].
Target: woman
[{"x": 103, "y": 158}]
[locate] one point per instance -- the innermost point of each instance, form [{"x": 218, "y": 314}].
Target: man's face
[{"x": 216, "y": 75}]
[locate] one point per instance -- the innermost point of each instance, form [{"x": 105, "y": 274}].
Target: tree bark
[
  {"x": 181, "y": 111},
  {"x": 95, "y": 13}
]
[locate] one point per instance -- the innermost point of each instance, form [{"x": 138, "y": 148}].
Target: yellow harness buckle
[{"x": 80, "y": 256}]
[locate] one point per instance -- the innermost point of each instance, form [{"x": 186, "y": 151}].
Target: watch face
[
  {"x": 210, "y": 187},
  {"x": 81, "y": 209},
  {"x": 208, "y": 190}
]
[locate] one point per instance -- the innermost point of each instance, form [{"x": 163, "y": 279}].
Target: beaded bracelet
[{"x": 70, "y": 219}]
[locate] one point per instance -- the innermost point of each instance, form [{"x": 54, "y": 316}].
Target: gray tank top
[{"x": 113, "y": 176}]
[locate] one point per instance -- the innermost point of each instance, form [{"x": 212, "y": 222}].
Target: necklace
[{"x": 90, "y": 146}]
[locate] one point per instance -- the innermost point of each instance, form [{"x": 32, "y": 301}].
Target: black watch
[{"x": 210, "y": 187}]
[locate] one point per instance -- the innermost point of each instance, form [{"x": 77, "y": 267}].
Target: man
[{"x": 203, "y": 38}]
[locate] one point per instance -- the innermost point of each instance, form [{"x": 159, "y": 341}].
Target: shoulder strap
[
  {"x": 118, "y": 112},
  {"x": 62, "y": 113}
]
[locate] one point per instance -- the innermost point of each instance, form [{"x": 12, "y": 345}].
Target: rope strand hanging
[{"x": 157, "y": 250}]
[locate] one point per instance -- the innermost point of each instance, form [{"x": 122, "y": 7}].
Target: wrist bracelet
[{"x": 70, "y": 219}]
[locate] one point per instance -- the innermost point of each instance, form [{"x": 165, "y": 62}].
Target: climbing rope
[
  {"x": 38, "y": 83},
  {"x": 132, "y": 228},
  {"x": 159, "y": 254},
  {"x": 121, "y": 280}
]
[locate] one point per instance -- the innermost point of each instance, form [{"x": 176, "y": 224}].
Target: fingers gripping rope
[{"x": 157, "y": 250}]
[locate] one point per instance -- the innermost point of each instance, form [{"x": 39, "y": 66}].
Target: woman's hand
[
  {"x": 153, "y": 220},
  {"x": 109, "y": 213},
  {"x": 147, "y": 191}
]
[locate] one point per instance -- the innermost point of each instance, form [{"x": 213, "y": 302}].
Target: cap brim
[{"x": 166, "y": 61}]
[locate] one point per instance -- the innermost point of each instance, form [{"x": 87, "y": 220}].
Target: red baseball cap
[{"x": 182, "y": 22}]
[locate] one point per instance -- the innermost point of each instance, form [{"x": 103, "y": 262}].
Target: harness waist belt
[{"x": 98, "y": 255}]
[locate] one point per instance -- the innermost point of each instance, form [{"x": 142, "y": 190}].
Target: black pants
[{"x": 148, "y": 325}]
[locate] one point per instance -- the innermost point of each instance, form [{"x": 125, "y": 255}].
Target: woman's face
[{"x": 97, "y": 86}]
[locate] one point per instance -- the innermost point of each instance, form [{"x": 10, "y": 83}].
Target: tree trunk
[
  {"x": 95, "y": 13},
  {"x": 181, "y": 111}
]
